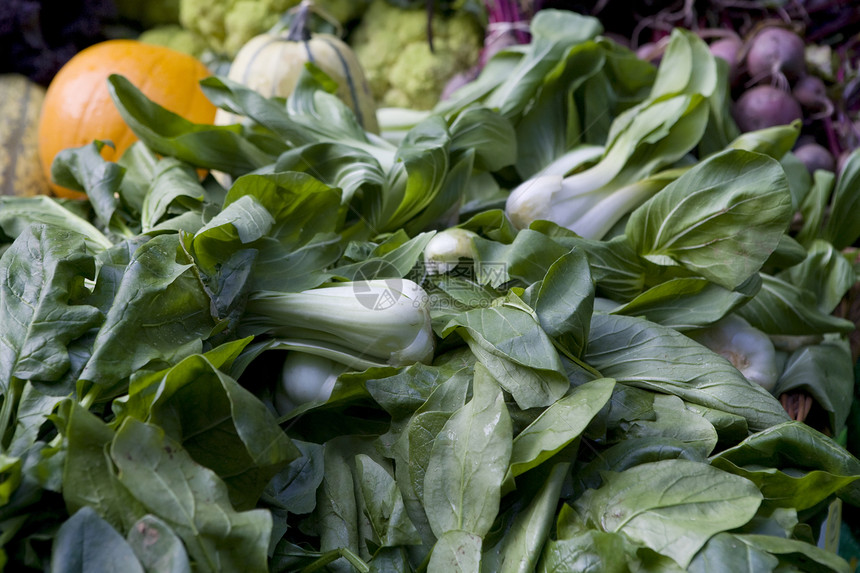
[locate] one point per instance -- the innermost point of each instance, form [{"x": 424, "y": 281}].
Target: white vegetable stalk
[
  {"x": 576, "y": 158},
  {"x": 591, "y": 201},
  {"x": 446, "y": 248},
  {"x": 590, "y": 215},
  {"x": 305, "y": 378},
  {"x": 748, "y": 349},
  {"x": 571, "y": 202},
  {"x": 360, "y": 324}
]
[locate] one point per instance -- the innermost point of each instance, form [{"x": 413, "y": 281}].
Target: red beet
[
  {"x": 765, "y": 106},
  {"x": 729, "y": 49},
  {"x": 811, "y": 93},
  {"x": 776, "y": 53},
  {"x": 815, "y": 157}
]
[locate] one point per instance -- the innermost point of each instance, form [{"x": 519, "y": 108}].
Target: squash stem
[{"x": 299, "y": 31}]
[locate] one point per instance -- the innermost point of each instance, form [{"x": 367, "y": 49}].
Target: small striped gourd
[
  {"x": 20, "y": 104},
  {"x": 271, "y": 63}
]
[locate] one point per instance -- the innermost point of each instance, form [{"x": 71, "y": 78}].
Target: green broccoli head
[
  {"x": 226, "y": 25},
  {"x": 391, "y": 44}
]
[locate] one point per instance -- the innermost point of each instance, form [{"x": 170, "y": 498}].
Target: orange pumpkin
[{"x": 78, "y": 107}]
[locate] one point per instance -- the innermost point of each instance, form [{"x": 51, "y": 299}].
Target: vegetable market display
[{"x": 543, "y": 326}]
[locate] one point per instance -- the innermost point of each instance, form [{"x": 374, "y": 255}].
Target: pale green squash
[{"x": 271, "y": 64}]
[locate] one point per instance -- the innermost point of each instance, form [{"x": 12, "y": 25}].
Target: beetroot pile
[{"x": 796, "y": 59}]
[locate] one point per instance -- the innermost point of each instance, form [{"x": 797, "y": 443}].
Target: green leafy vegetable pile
[{"x": 349, "y": 352}]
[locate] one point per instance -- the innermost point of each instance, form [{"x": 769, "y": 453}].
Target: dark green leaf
[
  {"x": 804, "y": 556},
  {"x": 17, "y": 213},
  {"x": 527, "y": 259},
  {"x": 209, "y": 146},
  {"x": 673, "y": 421},
  {"x": 462, "y": 486},
  {"x": 825, "y": 272},
  {"x": 338, "y": 512},
  {"x": 559, "y": 425},
  {"x": 456, "y": 551},
  {"x": 160, "y": 315},
  {"x": 780, "y": 307},
  {"x": 190, "y": 499},
  {"x": 239, "y": 99},
  {"x": 721, "y": 219},
  {"x": 337, "y": 165},
  {"x": 671, "y": 506},
  {"x": 294, "y": 487},
  {"x": 89, "y": 479},
  {"x": 824, "y": 371},
  {"x": 221, "y": 425},
  {"x": 633, "y": 452},
  {"x": 725, "y": 552},
  {"x": 87, "y": 543},
  {"x": 842, "y": 228},
  {"x": 403, "y": 393},
  {"x": 383, "y": 504},
  {"x": 509, "y": 341},
  {"x": 84, "y": 169},
  {"x": 489, "y": 134},
  {"x": 157, "y": 547},
  {"x": 564, "y": 301},
  {"x": 590, "y": 551},
  {"x": 814, "y": 206},
  {"x": 793, "y": 465},
  {"x": 635, "y": 351},
  {"x": 686, "y": 303},
  {"x": 521, "y": 547},
  {"x": 41, "y": 275},
  {"x": 173, "y": 183}
]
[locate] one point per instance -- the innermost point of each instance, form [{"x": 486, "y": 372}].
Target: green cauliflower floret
[
  {"x": 226, "y": 25},
  {"x": 391, "y": 44},
  {"x": 176, "y": 37}
]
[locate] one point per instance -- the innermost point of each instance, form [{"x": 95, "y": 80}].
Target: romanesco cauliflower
[
  {"x": 226, "y": 25},
  {"x": 391, "y": 44},
  {"x": 176, "y": 37}
]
